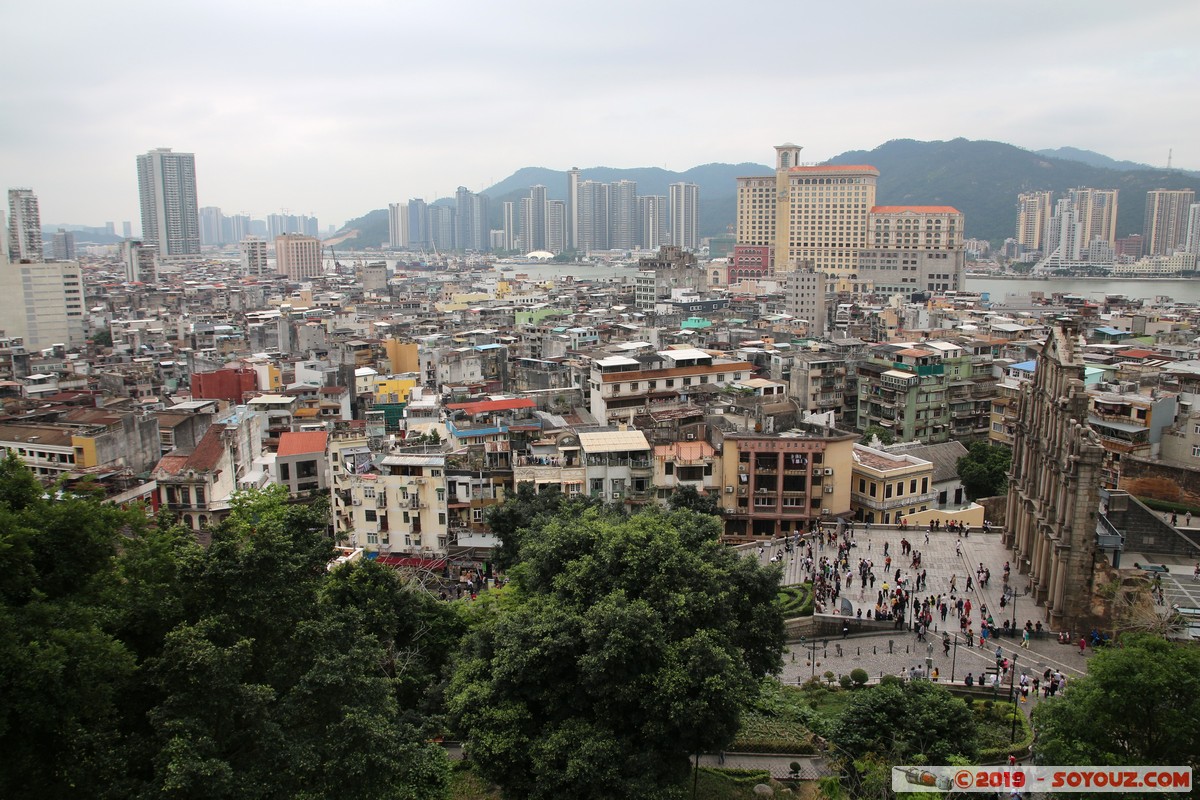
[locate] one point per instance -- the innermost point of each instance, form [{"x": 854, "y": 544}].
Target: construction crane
[{"x": 337, "y": 265}]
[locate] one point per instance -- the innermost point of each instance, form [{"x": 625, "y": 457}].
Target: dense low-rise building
[{"x": 779, "y": 484}]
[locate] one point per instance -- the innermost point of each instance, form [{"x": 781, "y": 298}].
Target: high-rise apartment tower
[{"x": 167, "y": 192}]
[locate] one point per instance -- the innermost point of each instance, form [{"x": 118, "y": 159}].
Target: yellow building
[
  {"x": 778, "y": 484},
  {"x": 403, "y": 356},
  {"x": 889, "y": 486},
  {"x": 814, "y": 214},
  {"x": 392, "y": 388}
]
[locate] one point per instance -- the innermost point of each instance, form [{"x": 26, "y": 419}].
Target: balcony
[{"x": 889, "y": 503}]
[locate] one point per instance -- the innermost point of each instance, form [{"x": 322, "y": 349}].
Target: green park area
[{"x": 138, "y": 663}]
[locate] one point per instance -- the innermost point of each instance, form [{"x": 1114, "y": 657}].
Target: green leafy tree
[
  {"x": 900, "y": 722},
  {"x": 270, "y": 692},
  {"x": 886, "y": 437},
  {"x": 629, "y": 643},
  {"x": 1138, "y": 704},
  {"x": 984, "y": 469},
  {"x": 512, "y": 518},
  {"x": 62, "y": 670},
  {"x": 102, "y": 338},
  {"x": 136, "y": 664},
  {"x": 687, "y": 498}
]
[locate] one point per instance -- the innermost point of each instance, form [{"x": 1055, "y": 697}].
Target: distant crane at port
[{"x": 337, "y": 265}]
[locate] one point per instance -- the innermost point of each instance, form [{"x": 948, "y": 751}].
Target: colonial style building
[{"x": 1053, "y": 500}]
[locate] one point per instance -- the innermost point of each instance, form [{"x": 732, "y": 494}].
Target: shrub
[
  {"x": 845, "y": 681},
  {"x": 859, "y": 676},
  {"x": 891, "y": 680}
]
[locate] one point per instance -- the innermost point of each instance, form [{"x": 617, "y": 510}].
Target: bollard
[
  {"x": 906, "y": 649},
  {"x": 860, "y": 651},
  {"x": 873, "y": 650}
]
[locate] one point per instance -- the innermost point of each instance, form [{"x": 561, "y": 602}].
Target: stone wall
[
  {"x": 1160, "y": 481},
  {"x": 995, "y": 509},
  {"x": 1147, "y": 532}
]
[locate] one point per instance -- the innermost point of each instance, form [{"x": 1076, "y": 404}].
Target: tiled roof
[
  {"x": 483, "y": 406},
  {"x": 915, "y": 210},
  {"x": 835, "y": 168},
  {"x": 303, "y": 443}
]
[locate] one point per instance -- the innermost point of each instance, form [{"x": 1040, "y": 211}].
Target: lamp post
[
  {"x": 812, "y": 655},
  {"x": 1013, "y": 696},
  {"x": 954, "y": 659}
]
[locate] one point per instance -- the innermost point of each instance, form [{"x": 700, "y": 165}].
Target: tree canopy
[
  {"x": 137, "y": 664},
  {"x": 984, "y": 469},
  {"x": 686, "y": 497},
  {"x": 628, "y": 644},
  {"x": 1138, "y": 704},
  {"x": 901, "y": 721},
  {"x": 524, "y": 508}
]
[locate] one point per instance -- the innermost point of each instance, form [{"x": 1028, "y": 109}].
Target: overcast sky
[{"x": 336, "y": 108}]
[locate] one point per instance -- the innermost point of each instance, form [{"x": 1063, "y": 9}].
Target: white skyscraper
[
  {"x": 24, "y": 226},
  {"x": 1034, "y": 210},
  {"x": 622, "y": 215},
  {"x": 41, "y": 302},
  {"x": 1166, "y": 223},
  {"x": 573, "y": 176},
  {"x": 685, "y": 209},
  {"x": 397, "y": 222},
  {"x": 1192, "y": 244},
  {"x": 167, "y": 192},
  {"x": 254, "y": 256}
]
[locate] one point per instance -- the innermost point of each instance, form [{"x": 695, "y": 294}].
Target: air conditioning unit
[
  {"x": 616, "y": 495},
  {"x": 419, "y": 481},
  {"x": 828, "y": 490},
  {"x": 828, "y": 471},
  {"x": 356, "y": 502},
  {"x": 728, "y": 490},
  {"x": 691, "y": 437},
  {"x": 825, "y": 512}
]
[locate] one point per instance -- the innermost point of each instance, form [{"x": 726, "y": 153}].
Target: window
[
  {"x": 912, "y": 486},
  {"x": 669, "y": 467},
  {"x": 370, "y": 515},
  {"x": 441, "y": 495},
  {"x": 924, "y": 485},
  {"x": 1196, "y": 451},
  {"x": 887, "y": 490},
  {"x": 369, "y": 492},
  {"x": 872, "y": 487},
  {"x": 285, "y": 472},
  {"x": 200, "y": 496},
  {"x": 476, "y": 515},
  {"x": 862, "y": 486},
  {"x": 372, "y": 537}
]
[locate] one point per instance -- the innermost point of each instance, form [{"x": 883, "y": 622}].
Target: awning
[{"x": 1117, "y": 426}]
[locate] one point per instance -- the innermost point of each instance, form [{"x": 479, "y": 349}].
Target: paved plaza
[{"x": 941, "y": 562}]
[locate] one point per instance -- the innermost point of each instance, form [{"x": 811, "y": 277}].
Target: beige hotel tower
[{"x": 810, "y": 216}]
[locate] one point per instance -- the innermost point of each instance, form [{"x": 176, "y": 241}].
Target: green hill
[{"x": 982, "y": 179}]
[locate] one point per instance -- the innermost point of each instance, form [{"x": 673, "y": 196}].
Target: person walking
[
  {"x": 1082, "y": 645},
  {"x": 1025, "y": 638}
]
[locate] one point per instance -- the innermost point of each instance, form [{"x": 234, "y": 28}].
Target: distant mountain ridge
[
  {"x": 1098, "y": 160},
  {"x": 980, "y": 178}
]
